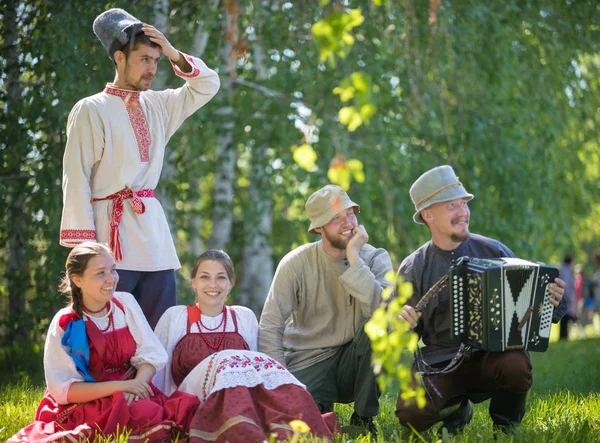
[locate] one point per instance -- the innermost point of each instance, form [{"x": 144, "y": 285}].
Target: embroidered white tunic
[
  {"x": 59, "y": 367},
  {"x": 116, "y": 140}
]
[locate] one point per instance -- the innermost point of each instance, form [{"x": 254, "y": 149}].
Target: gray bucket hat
[
  {"x": 115, "y": 28},
  {"x": 439, "y": 184},
  {"x": 325, "y": 203}
]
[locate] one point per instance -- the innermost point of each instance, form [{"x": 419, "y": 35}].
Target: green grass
[{"x": 564, "y": 405}]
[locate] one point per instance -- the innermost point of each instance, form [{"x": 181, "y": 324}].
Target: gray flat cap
[
  {"x": 115, "y": 28},
  {"x": 437, "y": 185}
]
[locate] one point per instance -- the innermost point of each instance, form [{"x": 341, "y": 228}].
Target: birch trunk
[
  {"x": 225, "y": 151},
  {"x": 257, "y": 254},
  {"x": 196, "y": 244},
  {"x": 257, "y": 272}
]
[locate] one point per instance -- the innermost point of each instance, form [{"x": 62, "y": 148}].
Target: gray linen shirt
[
  {"x": 423, "y": 268},
  {"x": 317, "y": 303}
]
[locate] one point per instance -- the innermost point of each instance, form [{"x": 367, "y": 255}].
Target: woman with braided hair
[
  {"x": 99, "y": 359},
  {"x": 245, "y": 395}
]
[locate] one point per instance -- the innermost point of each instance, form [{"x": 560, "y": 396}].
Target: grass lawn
[{"x": 564, "y": 405}]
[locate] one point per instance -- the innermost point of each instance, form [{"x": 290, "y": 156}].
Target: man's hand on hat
[
  {"x": 358, "y": 240},
  {"x": 159, "y": 38}
]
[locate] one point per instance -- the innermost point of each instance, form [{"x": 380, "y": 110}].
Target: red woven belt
[{"x": 117, "y": 213}]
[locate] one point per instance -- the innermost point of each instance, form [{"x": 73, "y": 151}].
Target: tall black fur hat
[{"x": 115, "y": 28}]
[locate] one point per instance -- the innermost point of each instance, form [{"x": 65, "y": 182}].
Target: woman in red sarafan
[
  {"x": 245, "y": 395},
  {"x": 99, "y": 359}
]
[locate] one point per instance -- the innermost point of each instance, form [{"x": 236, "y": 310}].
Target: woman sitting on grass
[
  {"x": 245, "y": 395},
  {"x": 99, "y": 358}
]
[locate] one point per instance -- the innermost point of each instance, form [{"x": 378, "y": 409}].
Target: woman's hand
[{"x": 134, "y": 390}]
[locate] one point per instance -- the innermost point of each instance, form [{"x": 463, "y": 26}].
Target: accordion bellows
[{"x": 501, "y": 304}]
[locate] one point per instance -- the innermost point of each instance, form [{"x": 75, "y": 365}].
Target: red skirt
[
  {"x": 244, "y": 414},
  {"x": 153, "y": 419}
]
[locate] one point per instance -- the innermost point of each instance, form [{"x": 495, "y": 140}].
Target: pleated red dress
[{"x": 153, "y": 419}]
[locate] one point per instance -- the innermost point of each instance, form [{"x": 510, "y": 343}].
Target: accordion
[{"x": 501, "y": 304}]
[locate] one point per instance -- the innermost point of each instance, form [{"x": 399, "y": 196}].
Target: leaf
[
  {"x": 367, "y": 111},
  {"x": 344, "y": 93},
  {"x": 360, "y": 81},
  {"x": 350, "y": 118},
  {"x": 356, "y": 168},
  {"x": 346, "y": 114},
  {"x": 339, "y": 176},
  {"x": 305, "y": 157}
]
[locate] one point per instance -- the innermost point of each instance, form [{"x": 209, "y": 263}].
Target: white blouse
[
  {"x": 59, "y": 368},
  {"x": 172, "y": 326}
]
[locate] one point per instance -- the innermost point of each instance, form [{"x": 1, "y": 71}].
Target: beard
[
  {"x": 140, "y": 84},
  {"x": 337, "y": 242},
  {"x": 459, "y": 238}
]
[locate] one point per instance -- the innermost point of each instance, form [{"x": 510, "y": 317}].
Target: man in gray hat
[
  {"x": 116, "y": 143},
  {"x": 441, "y": 203},
  {"x": 320, "y": 298}
]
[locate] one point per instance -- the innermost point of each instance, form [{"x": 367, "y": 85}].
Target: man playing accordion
[{"x": 441, "y": 203}]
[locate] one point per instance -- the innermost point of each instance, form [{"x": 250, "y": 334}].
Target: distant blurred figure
[
  {"x": 566, "y": 274},
  {"x": 596, "y": 281},
  {"x": 580, "y": 289}
]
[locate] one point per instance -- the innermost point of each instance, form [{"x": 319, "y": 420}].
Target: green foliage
[
  {"x": 358, "y": 88},
  {"x": 506, "y": 92},
  {"x": 333, "y": 36},
  {"x": 341, "y": 172},
  {"x": 391, "y": 340}
]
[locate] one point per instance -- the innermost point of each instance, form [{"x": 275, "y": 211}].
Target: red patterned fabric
[
  {"x": 151, "y": 419},
  {"x": 137, "y": 118},
  {"x": 243, "y": 414},
  {"x": 117, "y": 213},
  {"x": 76, "y": 236}
]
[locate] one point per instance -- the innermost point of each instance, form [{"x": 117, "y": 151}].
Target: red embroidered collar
[{"x": 113, "y": 90}]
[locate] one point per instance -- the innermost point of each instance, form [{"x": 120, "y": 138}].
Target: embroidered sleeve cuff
[
  {"x": 72, "y": 237},
  {"x": 195, "y": 69}
]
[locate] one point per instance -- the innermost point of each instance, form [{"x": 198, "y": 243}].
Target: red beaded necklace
[
  {"x": 89, "y": 311},
  {"x": 206, "y": 327},
  {"x": 223, "y": 322}
]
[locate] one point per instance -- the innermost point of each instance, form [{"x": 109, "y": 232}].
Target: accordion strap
[
  {"x": 424, "y": 368},
  {"x": 441, "y": 283}
]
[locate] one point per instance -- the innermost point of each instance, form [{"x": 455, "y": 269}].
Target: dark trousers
[
  {"x": 505, "y": 377},
  {"x": 345, "y": 377},
  {"x": 154, "y": 291},
  {"x": 565, "y": 326}
]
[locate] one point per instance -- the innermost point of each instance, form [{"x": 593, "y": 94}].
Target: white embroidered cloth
[{"x": 232, "y": 368}]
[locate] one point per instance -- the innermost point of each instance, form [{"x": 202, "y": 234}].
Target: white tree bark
[
  {"x": 196, "y": 244},
  {"x": 258, "y": 269},
  {"x": 225, "y": 152}
]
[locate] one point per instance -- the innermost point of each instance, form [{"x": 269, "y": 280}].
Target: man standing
[
  {"x": 114, "y": 155},
  {"x": 441, "y": 203},
  {"x": 566, "y": 273},
  {"x": 320, "y": 298}
]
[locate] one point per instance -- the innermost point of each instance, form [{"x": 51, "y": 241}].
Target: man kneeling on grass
[{"x": 441, "y": 203}]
